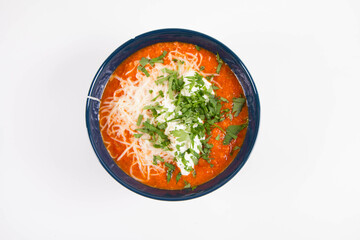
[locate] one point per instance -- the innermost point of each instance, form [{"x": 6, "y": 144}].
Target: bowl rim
[{"x": 251, "y": 144}]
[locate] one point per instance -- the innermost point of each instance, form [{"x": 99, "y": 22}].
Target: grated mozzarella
[{"x": 127, "y": 103}]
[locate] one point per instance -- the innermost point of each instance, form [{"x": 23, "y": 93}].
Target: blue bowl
[{"x": 170, "y": 35}]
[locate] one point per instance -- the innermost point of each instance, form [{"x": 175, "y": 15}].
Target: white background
[{"x": 302, "y": 180}]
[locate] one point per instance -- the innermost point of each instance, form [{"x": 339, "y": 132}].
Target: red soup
[{"x": 173, "y": 115}]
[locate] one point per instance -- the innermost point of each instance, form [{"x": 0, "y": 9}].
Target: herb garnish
[
  {"x": 224, "y": 99},
  {"x": 238, "y": 105},
  {"x": 143, "y": 69},
  {"x": 161, "y": 93},
  {"x": 178, "y": 176},
  {"x": 156, "y": 158},
  {"x": 187, "y": 185},
  {"x": 158, "y": 137},
  {"x": 140, "y": 118},
  {"x": 197, "y": 47},
  {"x": 144, "y": 61},
  {"x": 171, "y": 169},
  {"x": 181, "y": 135},
  {"x": 220, "y": 63},
  {"x": 232, "y": 132},
  {"x": 209, "y": 77},
  {"x": 199, "y": 112}
]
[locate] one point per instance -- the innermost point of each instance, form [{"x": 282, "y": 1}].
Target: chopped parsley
[
  {"x": 140, "y": 118},
  {"x": 170, "y": 170},
  {"x": 170, "y": 166},
  {"x": 158, "y": 59},
  {"x": 220, "y": 63},
  {"x": 217, "y": 126},
  {"x": 181, "y": 135},
  {"x": 238, "y": 105},
  {"x": 157, "y": 136},
  {"x": 161, "y": 93},
  {"x": 144, "y": 61},
  {"x": 215, "y": 87},
  {"x": 198, "y": 113},
  {"x": 209, "y": 77},
  {"x": 197, "y": 47},
  {"x": 224, "y": 99},
  {"x": 232, "y": 132},
  {"x": 178, "y": 176},
  {"x": 157, "y": 158},
  {"x": 187, "y": 185},
  {"x": 143, "y": 69},
  {"x": 234, "y": 149},
  {"x": 138, "y": 135}
]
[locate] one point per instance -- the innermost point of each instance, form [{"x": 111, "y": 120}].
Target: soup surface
[{"x": 173, "y": 115}]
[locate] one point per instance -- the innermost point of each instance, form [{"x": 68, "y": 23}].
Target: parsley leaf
[
  {"x": 158, "y": 137},
  {"x": 143, "y": 69},
  {"x": 161, "y": 80},
  {"x": 195, "y": 160},
  {"x": 158, "y": 59},
  {"x": 215, "y": 87},
  {"x": 197, "y": 47},
  {"x": 187, "y": 185},
  {"x": 220, "y": 63},
  {"x": 170, "y": 91},
  {"x": 232, "y": 132},
  {"x": 238, "y": 105},
  {"x": 171, "y": 169},
  {"x": 169, "y": 175},
  {"x": 224, "y": 99},
  {"x": 137, "y": 135},
  {"x": 217, "y": 137},
  {"x": 140, "y": 118},
  {"x": 143, "y": 62},
  {"x": 156, "y": 158},
  {"x": 181, "y": 135},
  {"x": 209, "y": 77},
  {"x": 178, "y": 176},
  {"x": 217, "y": 126},
  {"x": 170, "y": 166},
  {"x": 161, "y": 93},
  {"x": 202, "y": 68}
]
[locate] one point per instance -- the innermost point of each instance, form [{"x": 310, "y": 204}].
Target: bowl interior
[{"x": 170, "y": 35}]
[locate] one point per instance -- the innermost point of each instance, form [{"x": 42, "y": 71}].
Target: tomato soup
[{"x": 173, "y": 115}]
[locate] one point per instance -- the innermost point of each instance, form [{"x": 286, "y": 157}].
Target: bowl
[{"x": 170, "y": 35}]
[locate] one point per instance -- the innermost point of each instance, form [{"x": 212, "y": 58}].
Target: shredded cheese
[{"x": 121, "y": 111}]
